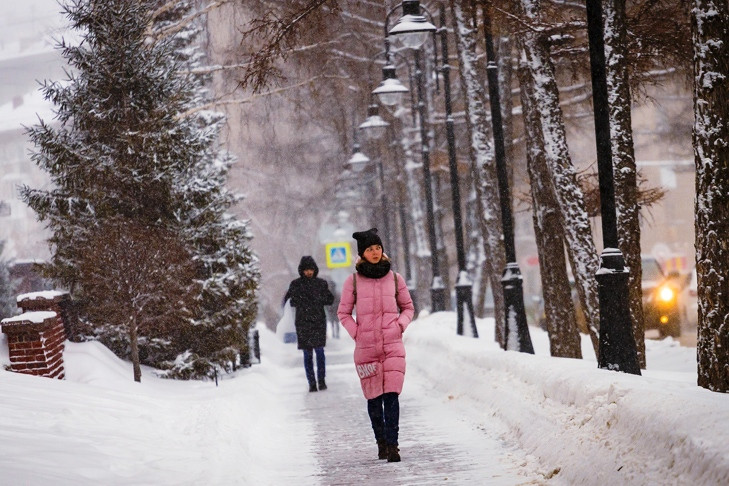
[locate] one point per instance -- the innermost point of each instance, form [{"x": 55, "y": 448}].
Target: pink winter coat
[{"x": 379, "y": 354}]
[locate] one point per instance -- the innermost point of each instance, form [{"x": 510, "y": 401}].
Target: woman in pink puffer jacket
[{"x": 384, "y": 311}]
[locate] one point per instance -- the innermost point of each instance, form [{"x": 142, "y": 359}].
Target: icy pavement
[{"x": 436, "y": 446}]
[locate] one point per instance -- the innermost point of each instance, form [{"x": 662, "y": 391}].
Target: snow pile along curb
[{"x": 564, "y": 411}]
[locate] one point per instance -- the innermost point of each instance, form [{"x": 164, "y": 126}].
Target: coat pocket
[{"x": 371, "y": 378}]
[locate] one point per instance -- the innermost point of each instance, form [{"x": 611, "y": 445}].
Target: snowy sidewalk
[
  {"x": 471, "y": 413},
  {"x": 435, "y": 446}
]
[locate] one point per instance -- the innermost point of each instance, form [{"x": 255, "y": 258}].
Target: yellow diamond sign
[{"x": 339, "y": 254}]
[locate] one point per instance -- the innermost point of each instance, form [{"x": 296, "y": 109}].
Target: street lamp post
[
  {"x": 390, "y": 92},
  {"x": 438, "y": 292},
  {"x": 437, "y": 289},
  {"x": 376, "y": 127},
  {"x": 616, "y": 346},
  {"x": 407, "y": 26},
  {"x": 357, "y": 161},
  {"x": 511, "y": 279},
  {"x": 464, "y": 292}
]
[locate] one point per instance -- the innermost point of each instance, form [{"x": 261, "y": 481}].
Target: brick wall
[
  {"x": 36, "y": 343},
  {"x": 56, "y": 301}
]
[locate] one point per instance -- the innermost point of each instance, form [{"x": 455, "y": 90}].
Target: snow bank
[
  {"x": 100, "y": 427},
  {"x": 660, "y": 428}
]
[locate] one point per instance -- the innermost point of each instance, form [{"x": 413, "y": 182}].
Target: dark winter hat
[
  {"x": 365, "y": 239},
  {"x": 308, "y": 263}
]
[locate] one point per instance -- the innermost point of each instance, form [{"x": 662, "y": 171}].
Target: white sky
[
  {"x": 470, "y": 412},
  {"x": 27, "y": 17}
]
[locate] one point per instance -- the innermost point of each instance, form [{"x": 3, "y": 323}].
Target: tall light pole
[
  {"x": 356, "y": 162},
  {"x": 407, "y": 26},
  {"x": 511, "y": 279},
  {"x": 390, "y": 92},
  {"x": 438, "y": 292},
  {"x": 375, "y": 127},
  {"x": 616, "y": 346}
]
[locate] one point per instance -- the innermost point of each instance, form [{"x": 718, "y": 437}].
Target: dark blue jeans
[
  {"x": 309, "y": 364},
  {"x": 384, "y": 414}
]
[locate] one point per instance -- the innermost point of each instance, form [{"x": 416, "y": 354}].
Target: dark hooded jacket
[{"x": 308, "y": 297}]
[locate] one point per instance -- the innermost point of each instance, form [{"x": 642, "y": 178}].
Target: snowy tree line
[
  {"x": 140, "y": 216},
  {"x": 142, "y": 232},
  {"x": 319, "y": 52}
]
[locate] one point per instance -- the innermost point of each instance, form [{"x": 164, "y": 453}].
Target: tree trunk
[
  {"x": 580, "y": 245},
  {"x": 710, "y": 32},
  {"x": 624, "y": 169},
  {"x": 134, "y": 350},
  {"x": 504, "y": 60},
  {"x": 475, "y": 258},
  {"x": 440, "y": 213},
  {"x": 484, "y": 171},
  {"x": 559, "y": 309}
]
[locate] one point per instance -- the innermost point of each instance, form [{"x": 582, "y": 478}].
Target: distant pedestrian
[
  {"x": 384, "y": 311},
  {"x": 308, "y": 295}
]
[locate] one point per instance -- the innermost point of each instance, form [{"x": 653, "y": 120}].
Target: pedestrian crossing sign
[{"x": 339, "y": 254}]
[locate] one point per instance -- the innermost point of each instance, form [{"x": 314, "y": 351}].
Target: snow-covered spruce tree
[
  {"x": 227, "y": 268},
  {"x": 710, "y": 32},
  {"x": 116, "y": 152},
  {"x": 127, "y": 149}
]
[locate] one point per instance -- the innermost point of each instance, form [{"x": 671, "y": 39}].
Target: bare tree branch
[
  {"x": 240, "y": 101},
  {"x": 175, "y": 28},
  {"x": 277, "y": 33}
]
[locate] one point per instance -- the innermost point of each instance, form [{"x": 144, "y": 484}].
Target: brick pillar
[
  {"x": 52, "y": 300},
  {"x": 36, "y": 342}
]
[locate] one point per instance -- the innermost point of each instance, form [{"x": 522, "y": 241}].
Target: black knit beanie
[{"x": 365, "y": 239}]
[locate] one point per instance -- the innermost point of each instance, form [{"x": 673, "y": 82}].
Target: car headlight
[{"x": 666, "y": 294}]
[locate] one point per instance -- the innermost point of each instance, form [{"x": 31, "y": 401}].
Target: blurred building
[{"x": 27, "y": 57}]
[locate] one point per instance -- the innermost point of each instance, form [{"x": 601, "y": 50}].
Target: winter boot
[
  {"x": 393, "y": 453},
  {"x": 312, "y": 387},
  {"x": 381, "y": 449},
  {"x": 322, "y": 385}
]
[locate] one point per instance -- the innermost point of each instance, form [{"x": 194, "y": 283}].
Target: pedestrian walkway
[{"x": 435, "y": 446}]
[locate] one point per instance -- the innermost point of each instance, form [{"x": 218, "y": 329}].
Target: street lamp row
[
  {"x": 414, "y": 29},
  {"x": 617, "y": 346}
]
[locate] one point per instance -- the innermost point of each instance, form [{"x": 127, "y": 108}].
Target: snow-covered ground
[{"x": 561, "y": 421}]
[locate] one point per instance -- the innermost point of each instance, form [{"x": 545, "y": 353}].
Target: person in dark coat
[{"x": 309, "y": 295}]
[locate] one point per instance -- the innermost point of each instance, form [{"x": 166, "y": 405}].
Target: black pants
[
  {"x": 309, "y": 364},
  {"x": 384, "y": 412}
]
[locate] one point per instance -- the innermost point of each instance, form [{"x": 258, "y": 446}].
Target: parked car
[{"x": 663, "y": 306}]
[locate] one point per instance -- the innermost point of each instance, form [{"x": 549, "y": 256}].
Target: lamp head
[
  {"x": 390, "y": 90},
  {"x": 412, "y": 29},
  {"x": 374, "y": 126},
  {"x": 358, "y": 161}
]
